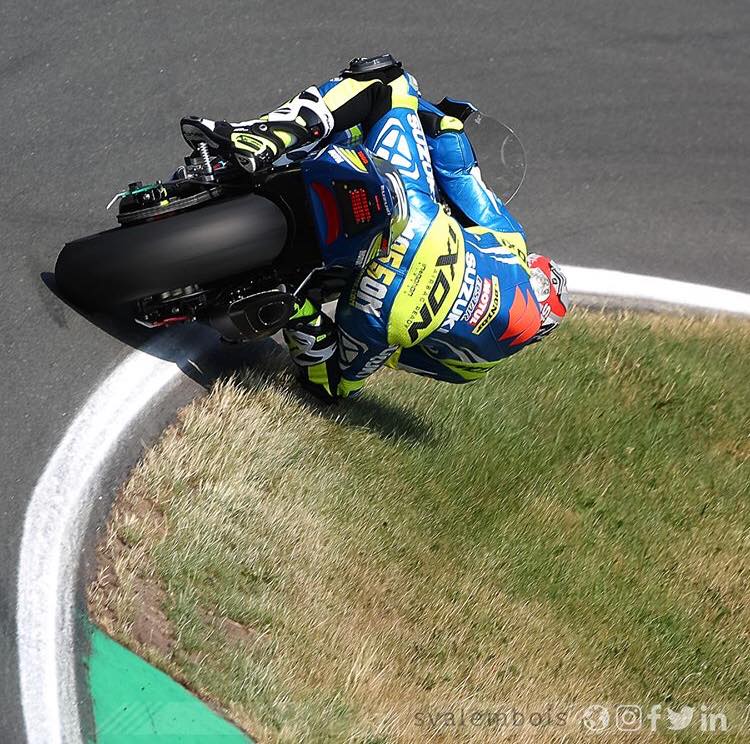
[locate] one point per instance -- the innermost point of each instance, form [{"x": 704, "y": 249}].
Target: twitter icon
[{"x": 680, "y": 719}]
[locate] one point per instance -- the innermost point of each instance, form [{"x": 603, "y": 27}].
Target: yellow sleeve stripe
[
  {"x": 393, "y": 359},
  {"x": 407, "y": 102},
  {"x": 344, "y": 91},
  {"x": 318, "y": 373},
  {"x": 347, "y": 387},
  {"x": 450, "y": 123},
  {"x": 401, "y": 97}
]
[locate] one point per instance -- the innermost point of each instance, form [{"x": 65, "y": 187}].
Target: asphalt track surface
[{"x": 634, "y": 120}]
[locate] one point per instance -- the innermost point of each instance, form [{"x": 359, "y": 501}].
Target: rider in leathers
[{"x": 457, "y": 292}]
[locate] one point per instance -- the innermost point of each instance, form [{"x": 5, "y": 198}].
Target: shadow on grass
[
  {"x": 383, "y": 419},
  {"x": 194, "y": 347},
  {"x": 371, "y": 414},
  {"x": 258, "y": 364}
]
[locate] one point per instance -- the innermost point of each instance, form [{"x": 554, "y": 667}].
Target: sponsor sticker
[
  {"x": 467, "y": 292},
  {"x": 369, "y": 292},
  {"x": 356, "y": 160},
  {"x": 487, "y": 307}
]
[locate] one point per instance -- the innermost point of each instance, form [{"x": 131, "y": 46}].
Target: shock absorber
[{"x": 206, "y": 158}]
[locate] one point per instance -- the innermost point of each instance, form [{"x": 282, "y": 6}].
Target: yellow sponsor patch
[
  {"x": 352, "y": 158},
  {"x": 431, "y": 285}
]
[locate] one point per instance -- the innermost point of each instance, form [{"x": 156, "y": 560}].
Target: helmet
[{"x": 550, "y": 287}]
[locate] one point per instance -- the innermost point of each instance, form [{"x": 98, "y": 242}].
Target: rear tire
[{"x": 203, "y": 245}]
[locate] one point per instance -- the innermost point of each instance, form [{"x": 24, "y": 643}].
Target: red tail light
[
  {"x": 333, "y": 218},
  {"x": 360, "y": 206}
]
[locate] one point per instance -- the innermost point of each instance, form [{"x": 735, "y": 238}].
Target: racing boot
[
  {"x": 258, "y": 143},
  {"x": 311, "y": 338},
  {"x": 301, "y": 121},
  {"x": 197, "y": 130}
]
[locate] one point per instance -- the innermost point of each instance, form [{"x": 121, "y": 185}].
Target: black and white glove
[{"x": 311, "y": 338}]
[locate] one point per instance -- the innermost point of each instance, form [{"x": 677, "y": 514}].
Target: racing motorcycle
[{"x": 214, "y": 244}]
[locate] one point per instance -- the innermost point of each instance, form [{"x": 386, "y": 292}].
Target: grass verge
[{"x": 572, "y": 530}]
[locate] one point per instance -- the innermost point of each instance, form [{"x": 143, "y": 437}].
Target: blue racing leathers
[{"x": 449, "y": 301}]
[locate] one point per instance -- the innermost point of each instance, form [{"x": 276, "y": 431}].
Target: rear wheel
[{"x": 200, "y": 246}]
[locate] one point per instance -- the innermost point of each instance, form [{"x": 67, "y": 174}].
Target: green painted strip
[{"x": 135, "y": 702}]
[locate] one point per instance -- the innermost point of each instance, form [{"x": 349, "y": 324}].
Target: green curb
[{"x": 135, "y": 702}]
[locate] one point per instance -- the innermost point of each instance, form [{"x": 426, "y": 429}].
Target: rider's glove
[{"x": 311, "y": 338}]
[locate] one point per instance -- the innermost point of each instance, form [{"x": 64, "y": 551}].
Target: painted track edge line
[
  {"x": 642, "y": 288},
  {"x": 61, "y": 501},
  {"x": 52, "y": 537}
]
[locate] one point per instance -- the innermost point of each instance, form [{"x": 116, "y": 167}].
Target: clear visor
[{"x": 499, "y": 152}]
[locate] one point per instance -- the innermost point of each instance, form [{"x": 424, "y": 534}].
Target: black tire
[{"x": 204, "y": 245}]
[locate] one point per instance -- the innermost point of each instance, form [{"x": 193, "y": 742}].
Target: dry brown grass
[{"x": 341, "y": 576}]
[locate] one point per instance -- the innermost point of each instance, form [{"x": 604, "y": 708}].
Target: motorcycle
[{"x": 214, "y": 244}]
